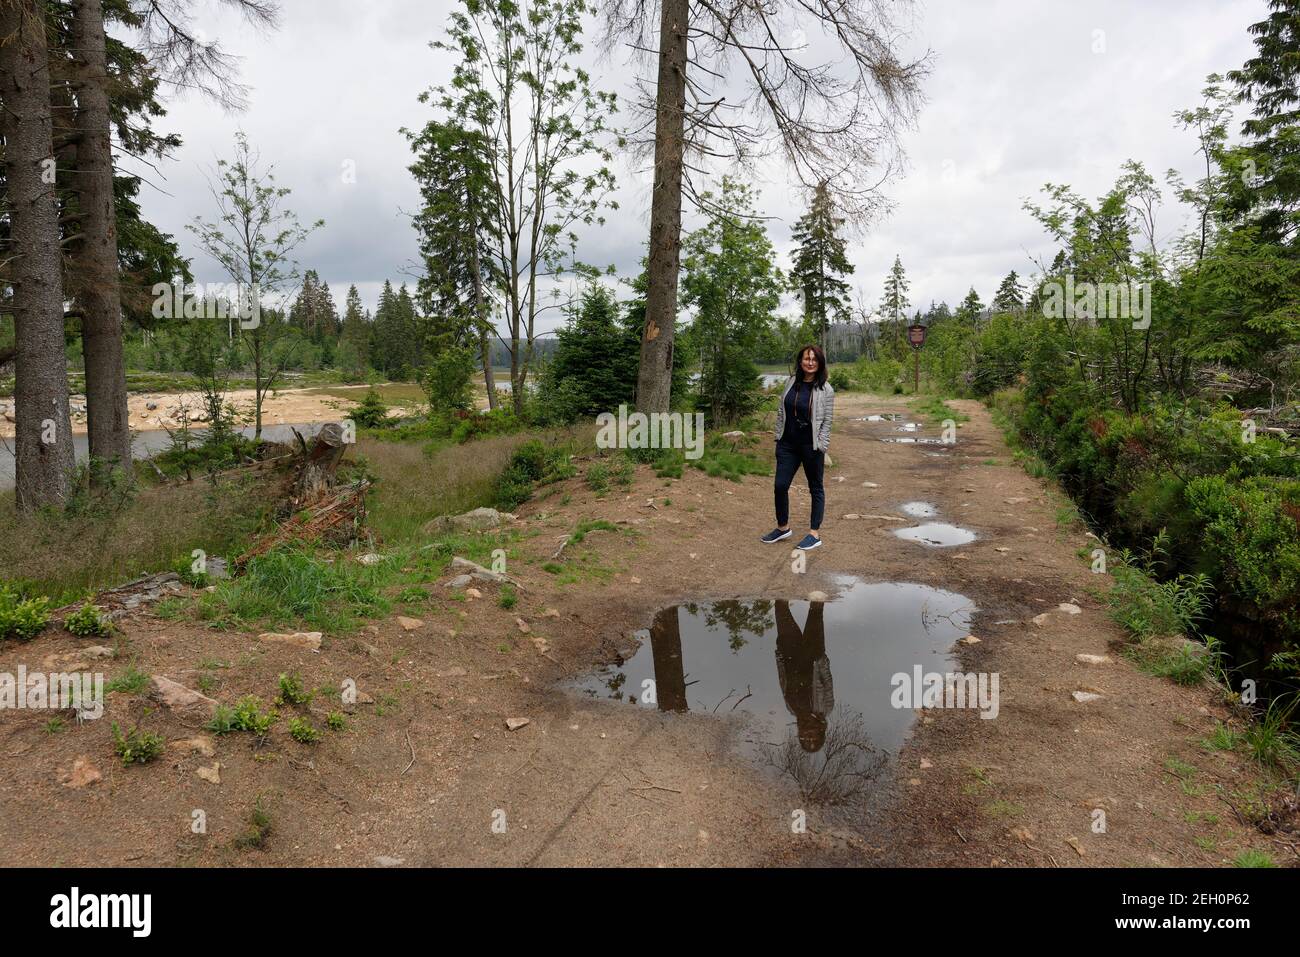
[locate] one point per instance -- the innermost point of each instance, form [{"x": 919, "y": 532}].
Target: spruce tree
[
  {"x": 894, "y": 305},
  {"x": 819, "y": 262},
  {"x": 1010, "y": 296}
]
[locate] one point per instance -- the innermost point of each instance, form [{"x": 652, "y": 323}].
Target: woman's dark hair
[{"x": 819, "y": 377}]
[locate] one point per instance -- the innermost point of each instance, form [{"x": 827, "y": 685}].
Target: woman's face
[{"x": 809, "y": 362}]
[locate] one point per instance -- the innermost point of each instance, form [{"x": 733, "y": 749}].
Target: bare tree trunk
[
  {"x": 44, "y": 431},
  {"x": 96, "y": 254},
  {"x": 654, "y": 380},
  {"x": 480, "y": 314}
]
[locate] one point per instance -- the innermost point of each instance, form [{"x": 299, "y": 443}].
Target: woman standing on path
[{"x": 803, "y": 433}]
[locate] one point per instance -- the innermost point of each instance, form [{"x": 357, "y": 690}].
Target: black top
[{"x": 798, "y": 412}]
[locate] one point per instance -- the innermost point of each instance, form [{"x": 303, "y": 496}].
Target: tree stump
[{"x": 317, "y": 476}]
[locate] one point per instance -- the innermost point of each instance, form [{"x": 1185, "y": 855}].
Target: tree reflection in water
[{"x": 844, "y": 771}]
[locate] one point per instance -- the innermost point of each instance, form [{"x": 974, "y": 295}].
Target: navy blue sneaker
[
  {"x": 775, "y": 535},
  {"x": 809, "y": 542}
]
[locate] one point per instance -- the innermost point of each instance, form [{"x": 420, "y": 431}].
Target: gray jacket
[{"x": 823, "y": 408}]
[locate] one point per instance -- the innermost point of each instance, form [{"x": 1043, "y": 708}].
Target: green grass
[
  {"x": 1253, "y": 859},
  {"x": 130, "y": 681},
  {"x": 937, "y": 409},
  {"x": 1222, "y": 738},
  {"x": 1270, "y": 740},
  {"x": 1000, "y": 808},
  {"x": 259, "y": 828}
]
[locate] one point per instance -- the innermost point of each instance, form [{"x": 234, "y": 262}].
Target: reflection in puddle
[
  {"x": 814, "y": 677},
  {"x": 882, "y": 417},
  {"x": 919, "y": 509},
  {"x": 939, "y": 534}
]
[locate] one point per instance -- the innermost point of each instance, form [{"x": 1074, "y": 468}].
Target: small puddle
[
  {"x": 816, "y": 679},
  {"x": 908, "y": 427},
  {"x": 914, "y": 440},
  {"x": 919, "y": 509},
  {"x": 882, "y": 417},
  {"x": 938, "y": 534}
]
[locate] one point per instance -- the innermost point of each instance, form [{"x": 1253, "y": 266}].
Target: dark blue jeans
[{"x": 789, "y": 456}]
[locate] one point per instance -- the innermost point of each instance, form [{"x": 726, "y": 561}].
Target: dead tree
[{"x": 835, "y": 118}]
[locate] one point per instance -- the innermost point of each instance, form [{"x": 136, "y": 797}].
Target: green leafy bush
[
  {"x": 21, "y": 618},
  {"x": 136, "y": 746},
  {"x": 87, "y": 621},
  {"x": 533, "y": 463},
  {"x": 292, "y": 691},
  {"x": 247, "y": 715},
  {"x": 300, "y": 730}
]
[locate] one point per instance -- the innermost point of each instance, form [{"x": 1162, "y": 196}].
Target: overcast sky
[{"x": 1021, "y": 92}]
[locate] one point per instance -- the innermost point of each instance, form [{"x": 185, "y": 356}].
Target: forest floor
[{"x": 428, "y": 772}]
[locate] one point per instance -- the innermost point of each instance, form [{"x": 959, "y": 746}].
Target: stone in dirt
[
  {"x": 460, "y": 581},
  {"x": 1069, "y": 609},
  {"x": 475, "y": 570},
  {"x": 870, "y": 485},
  {"x": 970, "y": 640},
  {"x": 473, "y": 593},
  {"x": 176, "y": 697},
  {"x": 384, "y": 861},
  {"x": 83, "y": 773},
  {"x": 1083, "y": 697},
  {"x": 817, "y": 596},
  {"x": 212, "y": 775},
  {"x": 199, "y": 745},
  {"x": 1092, "y": 659},
  {"x": 370, "y": 558},
  {"x": 98, "y": 651},
  {"x": 476, "y": 520},
  {"x": 1040, "y": 619},
  {"x": 298, "y": 639},
  {"x": 541, "y": 644},
  {"x": 456, "y": 672},
  {"x": 514, "y": 724},
  {"x": 409, "y": 624},
  {"x": 523, "y": 626},
  {"x": 551, "y": 613}
]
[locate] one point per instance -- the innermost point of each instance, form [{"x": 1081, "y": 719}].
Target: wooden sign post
[{"x": 916, "y": 336}]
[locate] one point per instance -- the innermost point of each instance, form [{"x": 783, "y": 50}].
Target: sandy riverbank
[{"x": 164, "y": 410}]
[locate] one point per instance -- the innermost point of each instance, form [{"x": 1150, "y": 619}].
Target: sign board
[{"x": 916, "y": 335}]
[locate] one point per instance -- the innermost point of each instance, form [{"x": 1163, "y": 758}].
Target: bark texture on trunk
[
  {"x": 654, "y": 380},
  {"x": 44, "y": 457},
  {"x": 96, "y": 253}
]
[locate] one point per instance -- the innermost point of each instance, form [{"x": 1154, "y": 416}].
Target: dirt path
[{"x": 429, "y": 773}]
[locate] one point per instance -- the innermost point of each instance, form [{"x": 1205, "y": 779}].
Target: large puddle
[{"x": 816, "y": 679}]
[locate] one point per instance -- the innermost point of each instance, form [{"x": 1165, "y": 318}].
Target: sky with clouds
[{"x": 1020, "y": 93}]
